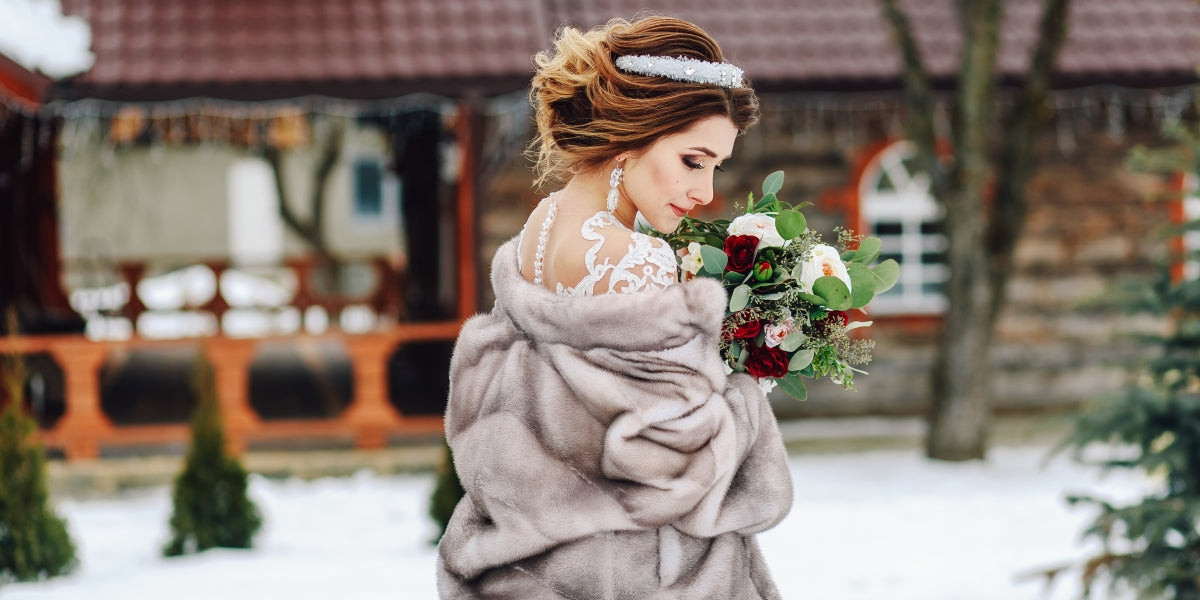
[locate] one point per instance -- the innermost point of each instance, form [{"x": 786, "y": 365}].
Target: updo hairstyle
[{"x": 588, "y": 111}]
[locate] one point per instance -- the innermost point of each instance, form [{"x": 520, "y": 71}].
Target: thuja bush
[
  {"x": 34, "y": 542},
  {"x": 446, "y": 493},
  {"x": 211, "y": 507}
]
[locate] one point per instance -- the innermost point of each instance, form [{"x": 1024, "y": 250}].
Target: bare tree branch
[
  {"x": 330, "y": 152},
  {"x": 1016, "y": 158},
  {"x": 976, "y": 87},
  {"x": 312, "y": 230},
  {"x": 918, "y": 88}
]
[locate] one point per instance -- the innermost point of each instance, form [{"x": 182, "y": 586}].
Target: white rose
[
  {"x": 825, "y": 261},
  {"x": 773, "y": 333},
  {"x": 692, "y": 261},
  {"x": 759, "y": 225}
]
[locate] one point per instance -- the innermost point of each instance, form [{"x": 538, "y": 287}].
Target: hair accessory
[
  {"x": 683, "y": 69},
  {"x": 613, "y": 195}
]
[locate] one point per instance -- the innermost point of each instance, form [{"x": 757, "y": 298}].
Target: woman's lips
[{"x": 679, "y": 212}]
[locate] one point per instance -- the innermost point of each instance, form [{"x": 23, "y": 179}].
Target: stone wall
[{"x": 1091, "y": 225}]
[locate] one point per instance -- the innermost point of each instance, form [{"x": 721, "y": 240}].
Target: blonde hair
[{"x": 588, "y": 111}]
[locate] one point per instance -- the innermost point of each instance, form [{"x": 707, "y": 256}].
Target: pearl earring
[{"x": 614, "y": 196}]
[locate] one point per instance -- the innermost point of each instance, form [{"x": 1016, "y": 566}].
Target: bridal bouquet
[{"x": 790, "y": 294}]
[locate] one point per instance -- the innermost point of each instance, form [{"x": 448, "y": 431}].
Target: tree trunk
[
  {"x": 980, "y": 248},
  {"x": 960, "y": 415}
]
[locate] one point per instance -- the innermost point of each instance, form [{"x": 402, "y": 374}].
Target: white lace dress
[{"x": 646, "y": 263}]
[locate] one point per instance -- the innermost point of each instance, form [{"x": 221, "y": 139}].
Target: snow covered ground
[{"x": 866, "y": 525}]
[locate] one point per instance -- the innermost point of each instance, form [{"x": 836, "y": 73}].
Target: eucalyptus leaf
[
  {"x": 772, "y": 297},
  {"x": 740, "y": 363},
  {"x": 764, "y": 203},
  {"x": 792, "y": 341},
  {"x": 801, "y": 359},
  {"x": 734, "y": 276},
  {"x": 886, "y": 273},
  {"x": 739, "y": 298},
  {"x": 714, "y": 260},
  {"x": 833, "y": 291},
  {"x": 793, "y": 386},
  {"x": 868, "y": 250},
  {"x": 773, "y": 183},
  {"x": 814, "y": 299},
  {"x": 790, "y": 224},
  {"x": 862, "y": 284}
]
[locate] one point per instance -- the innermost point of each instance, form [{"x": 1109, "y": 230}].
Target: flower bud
[{"x": 763, "y": 271}]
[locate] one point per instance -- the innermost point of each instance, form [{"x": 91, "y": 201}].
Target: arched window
[{"x": 896, "y": 206}]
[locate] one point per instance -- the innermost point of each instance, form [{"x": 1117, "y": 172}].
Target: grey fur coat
[{"x": 604, "y": 451}]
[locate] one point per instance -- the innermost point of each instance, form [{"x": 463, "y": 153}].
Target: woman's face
[{"x": 675, "y": 173}]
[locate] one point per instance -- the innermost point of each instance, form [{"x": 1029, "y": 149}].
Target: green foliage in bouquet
[
  {"x": 34, "y": 542},
  {"x": 789, "y": 293},
  {"x": 211, "y": 508}
]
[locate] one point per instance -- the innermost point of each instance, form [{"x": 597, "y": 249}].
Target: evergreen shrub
[{"x": 211, "y": 507}]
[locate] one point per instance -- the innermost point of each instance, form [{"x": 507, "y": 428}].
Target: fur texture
[{"x": 604, "y": 452}]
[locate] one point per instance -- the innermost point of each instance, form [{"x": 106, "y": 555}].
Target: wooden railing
[{"x": 369, "y": 421}]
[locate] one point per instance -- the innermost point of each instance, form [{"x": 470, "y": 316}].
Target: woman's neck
[{"x": 588, "y": 193}]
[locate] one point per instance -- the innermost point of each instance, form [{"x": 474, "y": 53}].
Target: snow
[
  {"x": 35, "y": 34},
  {"x": 884, "y": 524}
]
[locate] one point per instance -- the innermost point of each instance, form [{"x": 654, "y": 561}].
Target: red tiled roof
[
  {"x": 807, "y": 43},
  {"x": 297, "y": 44},
  {"x": 386, "y": 47}
]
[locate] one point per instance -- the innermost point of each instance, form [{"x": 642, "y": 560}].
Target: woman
[{"x": 604, "y": 451}]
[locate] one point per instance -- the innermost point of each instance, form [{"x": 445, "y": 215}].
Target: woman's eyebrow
[{"x": 710, "y": 153}]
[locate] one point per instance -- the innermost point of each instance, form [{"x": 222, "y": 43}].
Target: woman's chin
[{"x": 665, "y": 224}]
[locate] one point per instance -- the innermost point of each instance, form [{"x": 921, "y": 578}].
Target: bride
[{"x": 604, "y": 451}]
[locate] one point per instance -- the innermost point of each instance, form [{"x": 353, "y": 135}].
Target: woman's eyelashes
[{"x": 697, "y": 165}]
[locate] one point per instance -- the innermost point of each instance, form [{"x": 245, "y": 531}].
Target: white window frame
[{"x": 911, "y": 205}]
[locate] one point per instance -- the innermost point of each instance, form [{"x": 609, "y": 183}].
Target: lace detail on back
[{"x": 645, "y": 263}]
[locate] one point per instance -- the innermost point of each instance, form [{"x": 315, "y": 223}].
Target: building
[{"x": 166, "y": 169}]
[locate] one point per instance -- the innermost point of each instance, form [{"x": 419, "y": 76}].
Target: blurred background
[{"x": 307, "y": 194}]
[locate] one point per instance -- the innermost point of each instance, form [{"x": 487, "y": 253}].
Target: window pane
[
  {"x": 933, "y": 227},
  {"x": 368, "y": 188},
  {"x": 933, "y": 258},
  {"x": 885, "y": 183},
  {"x": 888, "y": 228},
  {"x": 932, "y": 288}
]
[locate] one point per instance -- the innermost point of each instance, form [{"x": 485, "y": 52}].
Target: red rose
[
  {"x": 821, "y": 327},
  {"x": 748, "y": 330},
  {"x": 740, "y": 250},
  {"x": 767, "y": 362}
]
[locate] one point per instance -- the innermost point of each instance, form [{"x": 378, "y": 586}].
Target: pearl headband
[{"x": 683, "y": 69}]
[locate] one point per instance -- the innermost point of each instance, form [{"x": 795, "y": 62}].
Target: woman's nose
[{"x": 703, "y": 194}]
